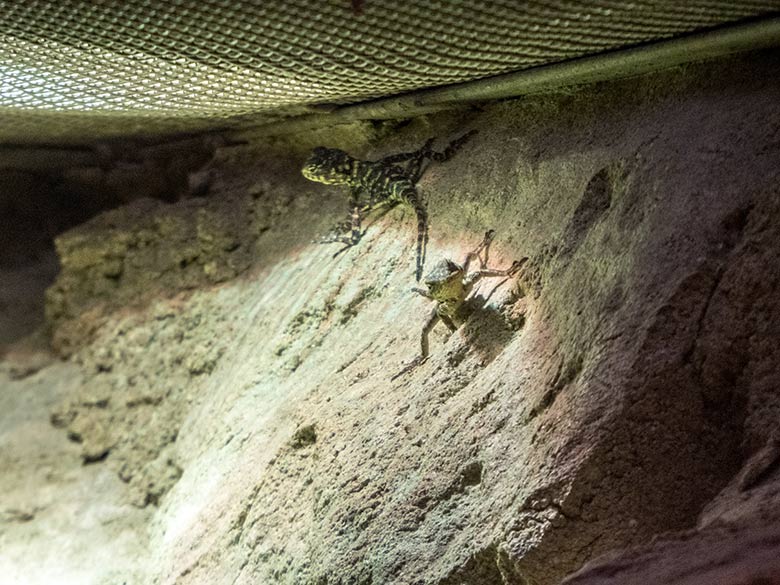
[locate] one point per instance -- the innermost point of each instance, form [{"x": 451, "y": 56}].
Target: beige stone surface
[
  {"x": 60, "y": 521},
  {"x": 236, "y": 377}
]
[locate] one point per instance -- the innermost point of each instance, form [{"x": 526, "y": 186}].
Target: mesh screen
[{"x": 78, "y": 70}]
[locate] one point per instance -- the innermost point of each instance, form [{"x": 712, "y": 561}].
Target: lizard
[
  {"x": 449, "y": 284},
  {"x": 374, "y": 184}
]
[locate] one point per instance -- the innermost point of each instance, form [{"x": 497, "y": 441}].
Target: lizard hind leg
[
  {"x": 452, "y": 148},
  {"x": 412, "y": 161},
  {"x": 417, "y": 165}
]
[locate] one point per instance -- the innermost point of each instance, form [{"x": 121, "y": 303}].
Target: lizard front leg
[
  {"x": 355, "y": 234},
  {"x": 338, "y": 233},
  {"x": 352, "y": 224}
]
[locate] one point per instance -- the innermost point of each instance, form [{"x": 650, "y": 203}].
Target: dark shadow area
[
  {"x": 29, "y": 219},
  {"x": 38, "y": 205},
  {"x": 489, "y": 328}
]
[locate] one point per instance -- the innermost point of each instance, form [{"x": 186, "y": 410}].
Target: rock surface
[{"x": 236, "y": 379}]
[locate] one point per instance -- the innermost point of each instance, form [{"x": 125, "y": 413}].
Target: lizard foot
[
  {"x": 409, "y": 367},
  {"x": 516, "y": 266},
  {"x": 344, "y": 249}
]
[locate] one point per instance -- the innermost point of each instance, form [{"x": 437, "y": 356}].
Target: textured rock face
[{"x": 626, "y": 380}]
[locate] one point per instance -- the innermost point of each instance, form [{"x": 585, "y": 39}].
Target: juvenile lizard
[
  {"x": 373, "y": 184},
  {"x": 450, "y": 284}
]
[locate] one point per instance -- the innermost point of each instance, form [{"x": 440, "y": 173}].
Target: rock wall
[{"x": 237, "y": 380}]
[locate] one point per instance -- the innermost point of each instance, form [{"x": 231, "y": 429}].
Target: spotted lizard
[{"x": 374, "y": 184}]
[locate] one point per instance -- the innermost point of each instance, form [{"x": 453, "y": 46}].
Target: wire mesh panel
[{"x": 76, "y": 70}]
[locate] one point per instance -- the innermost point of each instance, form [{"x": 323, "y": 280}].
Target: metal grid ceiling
[{"x": 77, "y": 70}]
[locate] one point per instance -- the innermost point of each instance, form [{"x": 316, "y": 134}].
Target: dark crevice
[
  {"x": 567, "y": 372},
  {"x": 95, "y": 457},
  {"x": 733, "y": 225},
  {"x": 596, "y": 199},
  {"x": 304, "y": 436},
  {"x": 688, "y": 354}
]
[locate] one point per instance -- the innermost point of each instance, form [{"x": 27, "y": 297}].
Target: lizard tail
[
  {"x": 411, "y": 197},
  {"x": 422, "y": 237}
]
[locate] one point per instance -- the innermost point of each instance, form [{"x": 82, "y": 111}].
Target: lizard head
[
  {"x": 445, "y": 281},
  {"x": 328, "y": 165}
]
